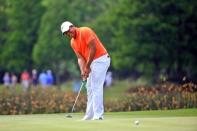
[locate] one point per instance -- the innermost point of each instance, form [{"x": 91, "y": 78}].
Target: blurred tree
[
  {"x": 3, "y": 28},
  {"x": 23, "y": 23},
  {"x": 167, "y": 28},
  {"x": 88, "y": 10},
  {"x": 151, "y": 37},
  {"x": 148, "y": 37}
]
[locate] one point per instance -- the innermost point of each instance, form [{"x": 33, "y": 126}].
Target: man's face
[{"x": 71, "y": 32}]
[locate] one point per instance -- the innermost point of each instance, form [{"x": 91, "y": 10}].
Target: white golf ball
[{"x": 137, "y": 122}]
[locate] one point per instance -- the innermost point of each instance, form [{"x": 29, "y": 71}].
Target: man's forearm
[
  {"x": 92, "y": 48},
  {"x": 90, "y": 59},
  {"x": 81, "y": 63}
]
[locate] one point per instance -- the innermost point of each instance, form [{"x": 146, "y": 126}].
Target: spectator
[
  {"x": 108, "y": 79},
  {"x": 25, "y": 79},
  {"x": 43, "y": 79},
  {"x": 49, "y": 78},
  {"x": 6, "y": 80},
  {"x": 14, "y": 80},
  {"x": 34, "y": 78}
]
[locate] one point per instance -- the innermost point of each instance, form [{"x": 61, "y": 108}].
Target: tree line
[{"x": 151, "y": 38}]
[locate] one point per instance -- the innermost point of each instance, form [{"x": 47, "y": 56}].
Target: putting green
[{"x": 173, "y": 120}]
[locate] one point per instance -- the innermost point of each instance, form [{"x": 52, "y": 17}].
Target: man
[{"x": 93, "y": 61}]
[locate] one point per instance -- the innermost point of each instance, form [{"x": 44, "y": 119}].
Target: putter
[{"x": 83, "y": 84}]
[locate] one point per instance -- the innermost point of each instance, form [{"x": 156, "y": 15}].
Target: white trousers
[{"x": 95, "y": 81}]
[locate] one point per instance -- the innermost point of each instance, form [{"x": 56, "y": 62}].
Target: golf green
[{"x": 171, "y": 120}]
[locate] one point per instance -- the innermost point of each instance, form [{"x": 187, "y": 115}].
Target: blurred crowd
[
  {"x": 26, "y": 79},
  {"x": 43, "y": 79}
]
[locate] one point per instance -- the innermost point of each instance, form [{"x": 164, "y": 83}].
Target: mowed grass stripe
[{"x": 172, "y": 120}]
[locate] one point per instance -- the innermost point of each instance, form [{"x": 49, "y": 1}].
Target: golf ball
[{"x": 137, "y": 122}]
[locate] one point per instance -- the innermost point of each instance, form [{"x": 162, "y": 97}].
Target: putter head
[{"x": 69, "y": 116}]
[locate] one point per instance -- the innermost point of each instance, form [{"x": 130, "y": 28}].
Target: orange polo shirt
[{"x": 83, "y": 37}]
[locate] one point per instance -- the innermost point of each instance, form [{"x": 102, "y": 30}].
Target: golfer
[{"x": 93, "y": 61}]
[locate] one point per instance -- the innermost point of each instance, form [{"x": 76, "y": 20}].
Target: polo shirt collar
[{"x": 77, "y": 32}]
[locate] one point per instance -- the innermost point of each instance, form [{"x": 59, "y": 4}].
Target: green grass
[
  {"x": 116, "y": 91},
  {"x": 174, "y": 120},
  {"x": 119, "y": 88}
]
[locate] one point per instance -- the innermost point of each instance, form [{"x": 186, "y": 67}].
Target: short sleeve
[
  {"x": 88, "y": 35},
  {"x": 74, "y": 47}
]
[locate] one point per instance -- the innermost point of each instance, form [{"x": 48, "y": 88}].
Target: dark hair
[{"x": 71, "y": 26}]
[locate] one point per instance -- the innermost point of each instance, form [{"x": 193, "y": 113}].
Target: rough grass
[
  {"x": 173, "y": 120},
  {"x": 114, "y": 92}
]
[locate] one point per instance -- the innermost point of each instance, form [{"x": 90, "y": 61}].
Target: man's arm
[
  {"x": 92, "y": 48},
  {"x": 85, "y": 65},
  {"x": 81, "y": 63}
]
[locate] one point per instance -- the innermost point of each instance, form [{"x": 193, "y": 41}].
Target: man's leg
[
  {"x": 89, "y": 109},
  {"x": 99, "y": 69}
]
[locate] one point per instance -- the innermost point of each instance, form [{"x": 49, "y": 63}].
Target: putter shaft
[{"x": 82, "y": 85}]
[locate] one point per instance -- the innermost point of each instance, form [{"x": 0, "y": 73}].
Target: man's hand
[{"x": 87, "y": 71}]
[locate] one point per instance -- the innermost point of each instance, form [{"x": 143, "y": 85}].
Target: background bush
[
  {"x": 51, "y": 100},
  {"x": 162, "y": 97}
]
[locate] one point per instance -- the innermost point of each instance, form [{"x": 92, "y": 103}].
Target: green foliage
[
  {"x": 151, "y": 37},
  {"x": 3, "y": 28},
  {"x": 51, "y": 100},
  {"x": 161, "y": 97},
  {"x": 38, "y": 101},
  {"x": 23, "y": 23}
]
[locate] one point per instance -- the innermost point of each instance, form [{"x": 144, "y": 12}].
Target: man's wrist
[{"x": 87, "y": 65}]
